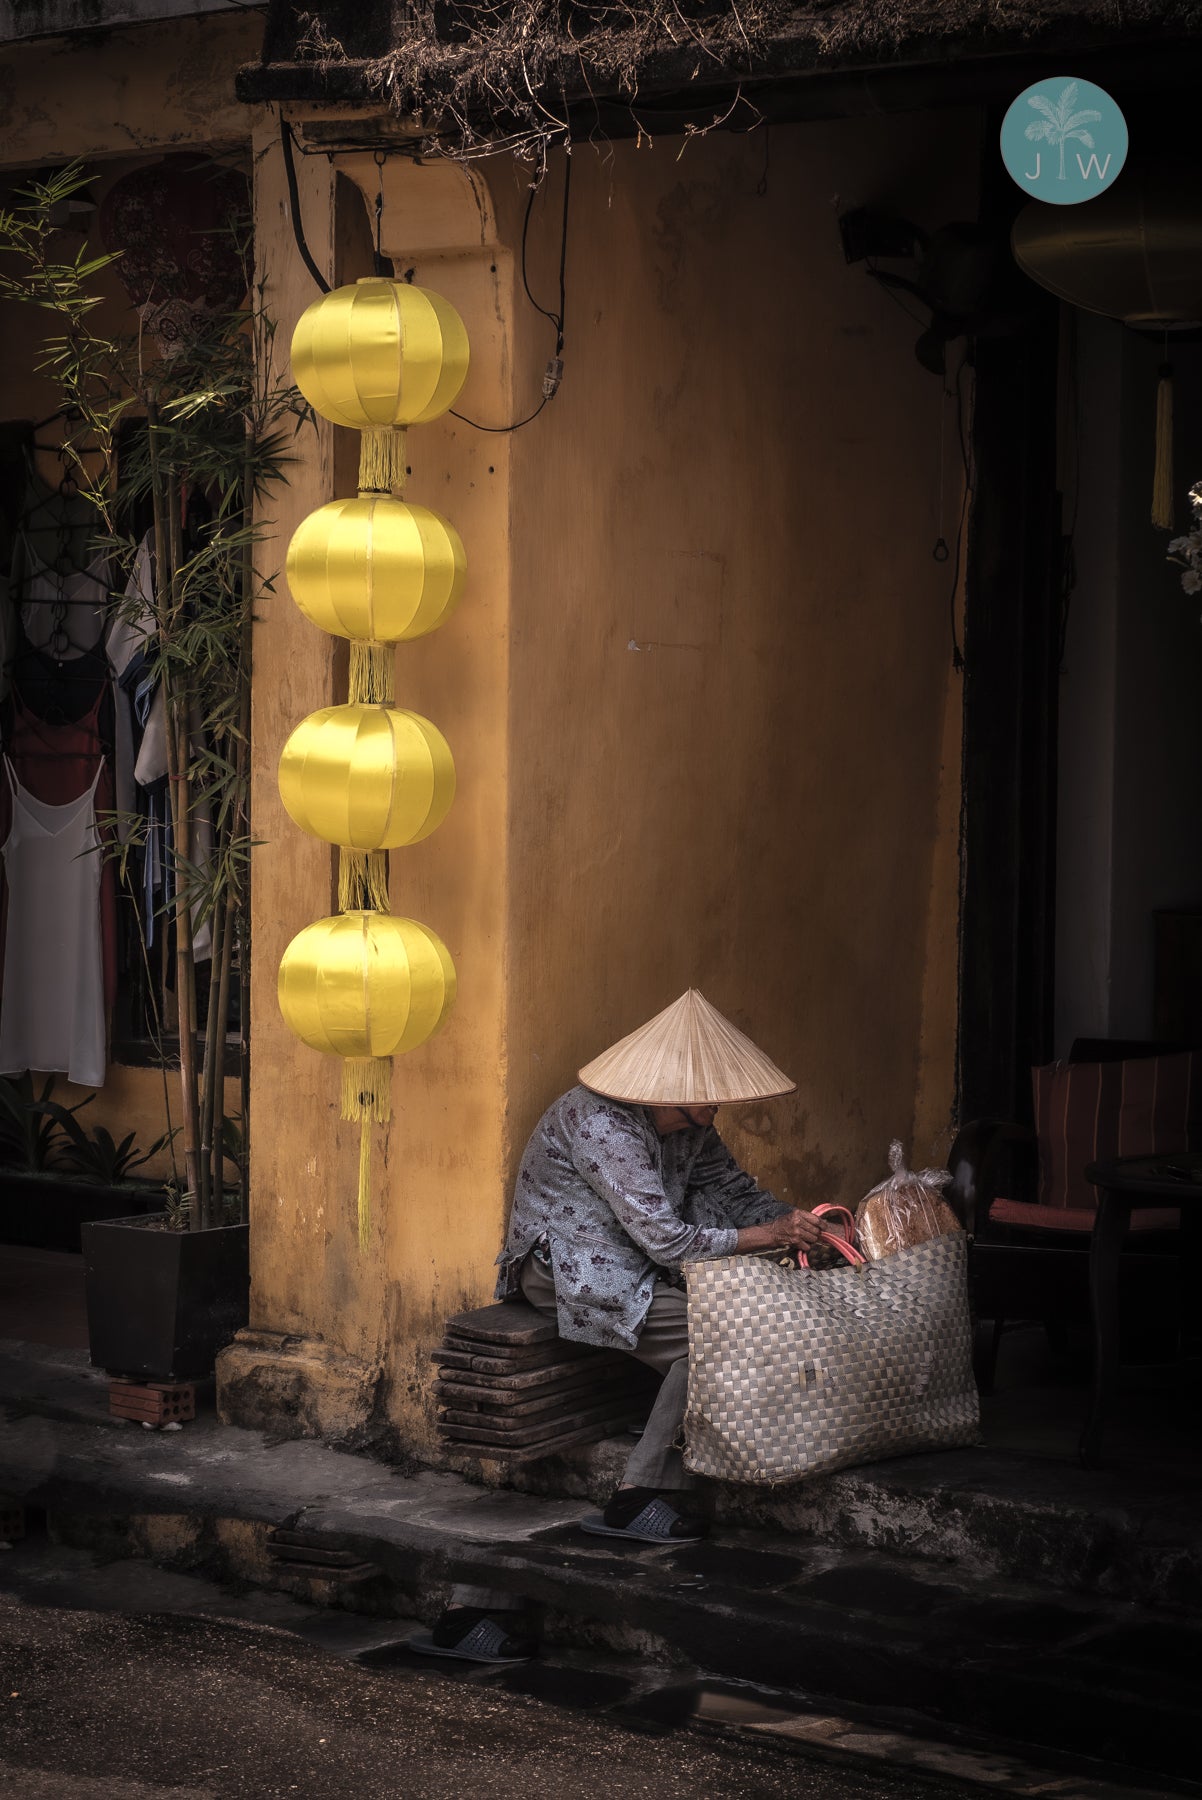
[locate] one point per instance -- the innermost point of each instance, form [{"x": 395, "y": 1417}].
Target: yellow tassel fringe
[
  {"x": 1162, "y": 480},
  {"x": 382, "y": 461},
  {"x": 372, "y": 680},
  {"x": 363, "y": 881},
  {"x": 366, "y": 1096},
  {"x": 364, "y": 1186},
  {"x": 367, "y": 1088}
]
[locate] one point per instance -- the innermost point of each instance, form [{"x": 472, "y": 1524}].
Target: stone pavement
[{"x": 1017, "y": 1601}]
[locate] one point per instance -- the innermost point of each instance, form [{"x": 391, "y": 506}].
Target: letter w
[{"x": 1093, "y": 166}]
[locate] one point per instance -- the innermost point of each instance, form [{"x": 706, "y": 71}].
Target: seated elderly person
[{"x": 624, "y": 1181}]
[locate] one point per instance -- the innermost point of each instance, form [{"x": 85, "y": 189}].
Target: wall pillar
[{"x": 339, "y": 1339}]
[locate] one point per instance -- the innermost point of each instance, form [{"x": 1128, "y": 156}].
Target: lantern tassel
[
  {"x": 367, "y": 1088},
  {"x": 364, "y": 1184},
  {"x": 363, "y": 881},
  {"x": 1162, "y": 479},
  {"x": 382, "y": 460},
  {"x": 366, "y": 1096},
  {"x": 373, "y": 666}
]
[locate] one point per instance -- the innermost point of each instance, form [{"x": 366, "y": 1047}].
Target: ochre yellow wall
[
  {"x": 437, "y": 1189},
  {"x": 733, "y": 718},
  {"x": 114, "y": 103},
  {"x": 700, "y": 696}
]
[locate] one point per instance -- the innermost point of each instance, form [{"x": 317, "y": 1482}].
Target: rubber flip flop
[
  {"x": 651, "y": 1526},
  {"x": 482, "y": 1644}
]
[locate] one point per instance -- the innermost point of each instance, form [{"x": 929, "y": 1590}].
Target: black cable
[
  {"x": 294, "y": 206},
  {"x": 534, "y": 186},
  {"x": 556, "y": 319},
  {"x": 563, "y": 247},
  {"x": 965, "y": 497},
  {"x": 517, "y": 426}
]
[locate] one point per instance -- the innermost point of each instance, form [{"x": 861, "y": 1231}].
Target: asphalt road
[{"x": 98, "y": 1703}]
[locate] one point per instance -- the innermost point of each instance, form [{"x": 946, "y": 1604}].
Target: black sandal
[
  {"x": 473, "y": 1635},
  {"x": 645, "y": 1516}
]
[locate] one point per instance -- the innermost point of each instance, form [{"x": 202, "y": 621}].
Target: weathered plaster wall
[
  {"x": 51, "y": 18},
  {"x": 734, "y": 723},
  {"x": 155, "y": 87}
]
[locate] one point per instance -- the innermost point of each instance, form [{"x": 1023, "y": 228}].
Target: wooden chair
[{"x": 1021, "y": 1195}]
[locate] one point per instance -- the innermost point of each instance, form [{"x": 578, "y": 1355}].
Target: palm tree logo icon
[{"x": 1059, "y": 122}]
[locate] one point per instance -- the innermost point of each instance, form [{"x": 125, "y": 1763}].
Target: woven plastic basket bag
[{"x": 793, "y": 1371}]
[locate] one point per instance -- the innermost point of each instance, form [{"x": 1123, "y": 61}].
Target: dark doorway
[{"x": 1012, "y": 631}]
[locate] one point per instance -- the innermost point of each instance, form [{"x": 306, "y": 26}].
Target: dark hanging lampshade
[
  {"x": 177, "y": 224},
  {"x": 1134, "y": 253}
]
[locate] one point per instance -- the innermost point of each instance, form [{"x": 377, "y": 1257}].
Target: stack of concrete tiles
[{"x": 510, "y": 1389}]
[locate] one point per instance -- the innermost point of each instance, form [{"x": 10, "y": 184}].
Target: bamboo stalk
[
  {"x": 211, "y": 1076},
  {"x": 162, "y": 585},
  {"x": 242, "y": 819},
  {"x": 216, "y": 1059},
  {"x": 195, "y": 1174}
]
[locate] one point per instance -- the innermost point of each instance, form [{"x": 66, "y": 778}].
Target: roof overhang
[{"x": 815, "y": 66}]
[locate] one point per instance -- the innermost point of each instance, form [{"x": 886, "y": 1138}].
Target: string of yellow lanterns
[{"x": 369, "y": 777}]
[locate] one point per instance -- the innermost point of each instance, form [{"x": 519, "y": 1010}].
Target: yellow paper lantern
[
  {"x": 369, "y": 779},
  {"x": 379, "y": 355},
  {"x": 376, "y": 568},
  {"x": 366, "y": 987}
]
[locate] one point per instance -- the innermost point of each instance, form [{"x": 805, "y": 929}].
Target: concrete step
[
  {"x": 1127, "y": 1532},
  {"x": 643, "y": 1696},
  {"x": 925, "y": 1647},
  {"x": 1130, "y": 1532}
]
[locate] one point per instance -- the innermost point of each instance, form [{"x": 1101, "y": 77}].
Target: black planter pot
[
  {"x": 162, "y": 1303},
  {"x": 45, "y": 1211}
]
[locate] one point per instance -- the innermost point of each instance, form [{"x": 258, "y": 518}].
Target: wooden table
[{"x": 1124, "y": 1185}]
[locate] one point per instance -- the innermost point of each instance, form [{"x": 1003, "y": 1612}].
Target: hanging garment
[
  {"x": 52, "y": 1013},
  {"x": 63, "y": 693},
  {"x": 57, "y": 763},
  {"x": 64, "y": 610},
  {"x": 126, "y": 644}
]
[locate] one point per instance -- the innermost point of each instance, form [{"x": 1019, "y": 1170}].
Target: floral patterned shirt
[{"x": 620, "y": 1208}]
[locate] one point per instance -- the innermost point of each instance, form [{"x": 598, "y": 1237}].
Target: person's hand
[{"x": 794, "y": 1230}]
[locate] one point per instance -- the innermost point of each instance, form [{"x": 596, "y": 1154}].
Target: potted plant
[
  {"x": 55, "y": 1174},
  {"x": 214, "y": 427}
]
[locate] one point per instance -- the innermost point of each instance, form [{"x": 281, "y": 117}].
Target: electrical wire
[
  {"x": 298, "y": 230},
  {"x": 964, "y": 433},
  {"x": 554, "y": 368}
]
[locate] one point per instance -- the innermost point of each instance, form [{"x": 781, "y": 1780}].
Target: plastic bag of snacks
[{"x": 906, "y": 1210}]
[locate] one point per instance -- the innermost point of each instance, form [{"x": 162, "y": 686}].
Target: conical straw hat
[{"x": 688, "y": 1055}]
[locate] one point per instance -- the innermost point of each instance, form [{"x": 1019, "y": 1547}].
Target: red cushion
[
  {"x": 1078, "y": 1218},
  {"x": 1091, "y": 1112}
]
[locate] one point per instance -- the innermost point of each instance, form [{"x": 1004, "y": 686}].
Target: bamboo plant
[{"x": 216, "y": 421}]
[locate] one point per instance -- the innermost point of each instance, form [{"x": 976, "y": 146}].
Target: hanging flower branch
[{"x": 1186, "y": 551}]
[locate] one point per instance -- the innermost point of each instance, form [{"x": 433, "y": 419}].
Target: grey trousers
[
  {"x": 655, "y": 1461},
  {"x": 664, "y": 1346}
]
